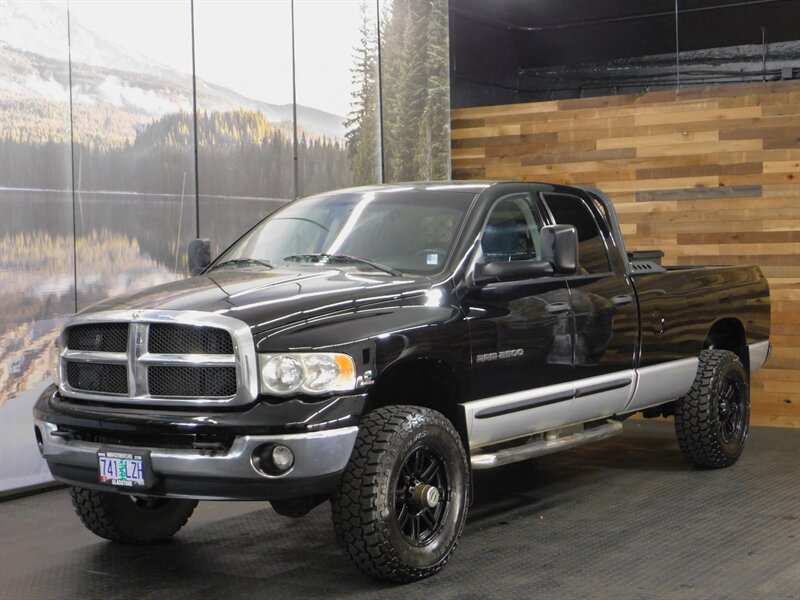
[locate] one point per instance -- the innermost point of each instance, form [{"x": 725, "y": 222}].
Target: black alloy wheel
[
  {"x": 401, "y": 503},
  {"x": 731, "y": 408},
  {"x": 422, "y": 494},
  {"x": 712, "y": 420}
]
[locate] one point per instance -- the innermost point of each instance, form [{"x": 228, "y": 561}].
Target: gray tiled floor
[{"x": 625, "y": 518}]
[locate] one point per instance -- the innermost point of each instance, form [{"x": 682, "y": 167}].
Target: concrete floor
[{"x": 625, "y": 518}]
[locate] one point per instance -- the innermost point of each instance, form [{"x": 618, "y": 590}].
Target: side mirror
[
  {"x": 560, "y": 248},
  {"x": 199, "y": 256},
  {"x": 498, "y": 271}
]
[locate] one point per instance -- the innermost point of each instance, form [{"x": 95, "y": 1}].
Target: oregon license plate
[{"x": 123, "y": 469}]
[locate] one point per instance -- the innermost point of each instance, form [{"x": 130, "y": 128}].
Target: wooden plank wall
[{"x": 708, "y": 175}]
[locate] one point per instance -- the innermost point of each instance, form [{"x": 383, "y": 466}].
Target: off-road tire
[
  {"x": 702, "y": 417},
  {"x": 128, "y": 519},
  {"x": 364, "y": 509}
]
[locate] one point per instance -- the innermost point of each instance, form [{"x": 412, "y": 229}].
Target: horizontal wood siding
[{"x": 708, "y": 175}]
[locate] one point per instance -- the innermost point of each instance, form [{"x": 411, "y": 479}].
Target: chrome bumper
[{"x": 318, "y": 455}]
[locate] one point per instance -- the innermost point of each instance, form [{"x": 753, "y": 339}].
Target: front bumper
[
  {"x": 203, "y": 455},
  {"x": 320, "y": 457}
]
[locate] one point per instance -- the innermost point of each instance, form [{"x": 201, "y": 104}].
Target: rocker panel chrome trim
[
  {"x": 661, "y": 383},
  {"x": 600, "y": 397},
  {"x": 524, "y": 404},
  {"x": 527, "y": 412},
  {"x": 508, "y": 416}
]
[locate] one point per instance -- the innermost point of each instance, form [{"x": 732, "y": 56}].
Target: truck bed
[{"x": 679, "y": 305}]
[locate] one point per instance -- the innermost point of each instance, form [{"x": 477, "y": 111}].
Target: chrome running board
[{"x": 544, "y": 446}]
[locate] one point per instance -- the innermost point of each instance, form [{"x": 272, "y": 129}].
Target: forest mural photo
[{"x": 104, "y": 161}]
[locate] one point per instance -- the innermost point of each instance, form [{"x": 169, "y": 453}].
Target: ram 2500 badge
[{"x": 375, "y": 346}]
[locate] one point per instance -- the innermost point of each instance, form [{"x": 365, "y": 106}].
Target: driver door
[{"x": 521, "y": 334}]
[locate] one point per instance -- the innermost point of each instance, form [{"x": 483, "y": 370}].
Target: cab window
[
  {"x": 512, "y": 231},
  {"x": 571, "y": 210}
]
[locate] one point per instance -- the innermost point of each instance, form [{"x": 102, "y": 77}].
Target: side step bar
[{"x": 542, "y": 447}]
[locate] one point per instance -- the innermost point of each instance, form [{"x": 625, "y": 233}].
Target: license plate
[{"x": 123, "y": 469}]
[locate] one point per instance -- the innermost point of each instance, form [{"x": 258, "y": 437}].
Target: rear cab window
[{"x": 592, "y": 250}]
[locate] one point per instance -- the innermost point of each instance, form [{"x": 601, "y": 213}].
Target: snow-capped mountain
[
  {"x": 41, "y": 28},
  {"x": 34, "y": 66}
]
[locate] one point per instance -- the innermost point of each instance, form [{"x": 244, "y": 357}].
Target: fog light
[
  {"x": 273, "y": 460},
  {"x": 282, "y": 458}
]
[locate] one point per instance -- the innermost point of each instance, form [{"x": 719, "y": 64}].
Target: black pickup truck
[{"x": 374, "y": 346}]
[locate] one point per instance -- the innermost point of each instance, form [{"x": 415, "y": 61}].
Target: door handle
[
  {"x": 557, "y": 307},
  {"x": 623, "y": 299}
]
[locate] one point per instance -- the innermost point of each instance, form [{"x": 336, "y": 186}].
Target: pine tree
[
  {"x": 394, "y": 27},
  {"x": 362, "y": 123},
  {"x": 414, "y": 61},
  {"x": 432, "y": 150}
]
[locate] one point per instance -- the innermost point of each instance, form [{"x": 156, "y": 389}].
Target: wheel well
[
  {"x": 423, "y": 382},
  {"x": 728, "y": 334}
]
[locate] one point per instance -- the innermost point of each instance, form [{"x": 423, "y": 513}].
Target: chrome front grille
[
  {"x": 188, "y": 339},
  {"x": 100, "y": 337},
  {"x": 158, "y": 357},
  {"x": 192, "y": 381},
  {"x": 97, "y": 377}
]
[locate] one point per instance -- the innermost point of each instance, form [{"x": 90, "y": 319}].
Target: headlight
[{"x": 306, "y": 373}]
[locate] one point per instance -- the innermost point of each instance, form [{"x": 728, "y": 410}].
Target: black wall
[{"x": 509, "y": 51}]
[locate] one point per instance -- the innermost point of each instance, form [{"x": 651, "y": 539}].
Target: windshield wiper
[
  {"x": 345, "y": 258},
  {"x": 244, "y": 261}
]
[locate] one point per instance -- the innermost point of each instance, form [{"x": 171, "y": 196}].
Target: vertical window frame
[{"x": 603, "y": 232}]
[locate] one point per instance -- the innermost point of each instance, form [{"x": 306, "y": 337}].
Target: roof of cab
[{"x": 452, "y": 186}]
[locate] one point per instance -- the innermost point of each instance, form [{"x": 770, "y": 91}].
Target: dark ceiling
[{"x": 553, "y": 32}]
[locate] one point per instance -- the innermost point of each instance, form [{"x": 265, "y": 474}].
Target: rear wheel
[
  {"x": 712, "y": 421},
  {"x": 401, "y": 503},
  {"x": 130, "y": 519}
]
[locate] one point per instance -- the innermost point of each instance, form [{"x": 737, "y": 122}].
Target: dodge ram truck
[{"x": 375, "y": 346}]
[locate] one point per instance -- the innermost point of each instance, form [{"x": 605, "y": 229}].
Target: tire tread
[
  {"x": 97, "y": 512},
  {"x": 696, "y": 413},
  {"x": 354, "y": 507}
]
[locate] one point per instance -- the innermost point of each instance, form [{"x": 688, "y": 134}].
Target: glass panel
[
  {"x": 410, "y": 231},
  {"x": 416, "y": 90},
  {"x": 336, "y": 76},
  {"x": 569, "y": 210},
  {"x": 133, "y": 144},
  {"x": 243, "y": 62},
  {"x": 512, "y": 232},
  {"x": 36, "y": 238}
]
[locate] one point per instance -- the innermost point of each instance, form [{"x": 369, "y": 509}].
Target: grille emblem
[{"x": 98, "y": 340}]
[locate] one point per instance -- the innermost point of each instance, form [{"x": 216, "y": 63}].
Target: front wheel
[
  {"x": 712, "y": 421},
  {"x": 402, "y": 501},
  {"x": 130, "y": 519}
]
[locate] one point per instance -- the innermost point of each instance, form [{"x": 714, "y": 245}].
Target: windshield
[{"x": 397, "y": 229}]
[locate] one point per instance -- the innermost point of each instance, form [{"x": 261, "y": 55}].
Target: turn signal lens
[{"x": 307, "y": 373}]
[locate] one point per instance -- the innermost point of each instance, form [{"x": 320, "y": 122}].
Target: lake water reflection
[{"x": 123, "y": 242}]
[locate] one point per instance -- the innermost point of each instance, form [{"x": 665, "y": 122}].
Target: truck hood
[{"x": 270, "y": 298}]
